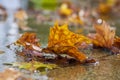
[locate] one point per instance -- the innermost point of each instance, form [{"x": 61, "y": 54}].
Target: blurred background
[
  {"x": 38, "y": 15},
  {"x": 17, "y": 16}
]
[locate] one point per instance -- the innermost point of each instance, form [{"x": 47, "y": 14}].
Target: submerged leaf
[
  {"x": 63, "y": 41},
  {"x": 32, "y": 66},
  {"x": 104, "y": 36}
]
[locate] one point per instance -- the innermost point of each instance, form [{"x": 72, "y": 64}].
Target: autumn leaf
[
  {"x": 104, "y": 36},
  {"x": 34, "y": 65},
  {"x": 29, "y": 41},
  {"x": 63, "y": 41},
  {"x": 62, "y": 36},
  {"x": 117, "y": 42},
  {"x": 28, "y": 46}
]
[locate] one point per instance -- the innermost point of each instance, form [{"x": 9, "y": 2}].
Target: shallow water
[
  {"x": 107, "y": 67},
  {"x": 9, "y": 55}
]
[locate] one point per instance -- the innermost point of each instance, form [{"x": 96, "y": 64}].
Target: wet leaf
[
  {"x": 104, "y": 36},
  {"x": 62, "y": 36},
  {"x": 116, "y": 45},
  {"x": 63, "y": 41},
  {"x": 32, "y": 66},
  {"x": 29, "y": 41},
  {"x": 117, "y": 42},
  {"x": 27, "y": 45}
]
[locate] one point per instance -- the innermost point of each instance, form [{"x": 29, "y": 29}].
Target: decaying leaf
[
  {"x": 104, "y": 36},
  {"x": 63, "y": 41},
  {"x": 29, "y": 45},
  {"x": 32, "y": 66},
  {"x": 29, "y": 41}
]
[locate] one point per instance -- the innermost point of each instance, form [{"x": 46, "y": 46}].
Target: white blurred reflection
[
  {"x": 8, "y": 34},
  {"x": 9, "y": 31},
  {"x": 13, "y": 33},
  {"x": 2, "y": 33}
]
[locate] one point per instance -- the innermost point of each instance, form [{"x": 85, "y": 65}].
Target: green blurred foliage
[{"x": 44, "y": 4}]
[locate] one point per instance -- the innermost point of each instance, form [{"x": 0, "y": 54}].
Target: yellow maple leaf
[
  {"x": 62, "y": 41},
  {"x": 62, "y": 36}
]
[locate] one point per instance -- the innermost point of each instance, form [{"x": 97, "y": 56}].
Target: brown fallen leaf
[
  {"x": 30, "y": 45},
  {"x": 29, "y": 41},
  {"x": 117, "y": 42},
  {"x": 104, "y": 36},
  {"x": 63, "y": 41}
]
